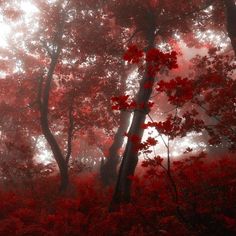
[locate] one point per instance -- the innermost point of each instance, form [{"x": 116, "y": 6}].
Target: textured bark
[
  {"x": 231, "y": 22},
  {"x": 108, "y": 169},
  {"x": 130, "y": 157}
]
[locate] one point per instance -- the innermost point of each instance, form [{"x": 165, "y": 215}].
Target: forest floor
[{"x": 198, "y": 198}]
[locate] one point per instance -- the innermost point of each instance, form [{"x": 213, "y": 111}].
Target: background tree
[{"x": 65, "y": 69}]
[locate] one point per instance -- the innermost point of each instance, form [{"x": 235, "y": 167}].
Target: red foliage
[
  {"x": 126, "y": 103},
  {"x": 133, "y": 54},
  {"x": 196, "y": 198},
  {"x": 157, "y": 59},
  {"x": 205, "y": 206},
  {"x": 179, "y": 90}
]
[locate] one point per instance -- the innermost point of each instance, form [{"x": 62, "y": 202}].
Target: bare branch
[{"x": 70, "y": 129}]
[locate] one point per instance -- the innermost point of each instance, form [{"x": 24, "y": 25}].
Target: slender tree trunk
[
  {"x": 109, "y": 168},
  {"x": 57, "y": 153},
  {"x": 231, "y": 22},
  {"x": 43, "y": 98},
  {"x": 130, "y": 157},
  {"x": 63, "y": 167}
]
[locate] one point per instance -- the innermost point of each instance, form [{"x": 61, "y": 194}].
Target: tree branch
[
  {"x": 70, "y": 129},
  {"x": 187, "y": 14}
]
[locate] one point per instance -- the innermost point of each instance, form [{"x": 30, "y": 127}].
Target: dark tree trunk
[
  {"x": 108, "y": 169},
  {"x": 231, "y": 22},
  {"x": 43, "y": 98},
  {"x": 63, "y": 167},
  {"x": 61, "y": 162},
  {"x": 130, "y": 157}
]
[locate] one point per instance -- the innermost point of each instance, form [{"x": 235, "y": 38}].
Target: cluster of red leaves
[
  {"x": 154, "y": 162},
  {"x": 174, "y": 126},
  {"x": 122, "y": 103},
  {"x": 144, "y": 146},
  {"x": 206, "y": 203},
  {"x": 155, "y": 59},
  {"x": 178, "y": 90},
  {"x": 210, "y": 99},
  {"x": 133, "y": 55},
  {"x": 126, "y": 103},
  {"x": 141, "y": 146}
]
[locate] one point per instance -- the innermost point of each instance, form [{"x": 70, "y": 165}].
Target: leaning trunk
[
  {"x": 130, "y": 157},
  {"x": 109, "y": 168}
]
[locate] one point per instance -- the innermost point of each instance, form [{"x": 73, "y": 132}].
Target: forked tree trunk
[
  {"x": 108, "y": 169},
  {"x": 231, "y": 22},
  {"x": 130, "y": 157}
]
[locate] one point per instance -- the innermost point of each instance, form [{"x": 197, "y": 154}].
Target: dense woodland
[{"x": 118, "y": 117}]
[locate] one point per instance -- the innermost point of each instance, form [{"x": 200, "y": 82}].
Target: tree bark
[
  {"x": 130, "y": 157},
  {"x": 231, "y": 22},
  {"x": 108, "y": 169}
]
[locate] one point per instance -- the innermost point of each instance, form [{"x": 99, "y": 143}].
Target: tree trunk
[
  {"x": 108, "y": 169},
  {"x": 43, "y": 98},
  {"x": 231, "y": 22},
  {"x": 63, "y": 167},
  {"x": 130, "y": 157},
  {"x": 61, "y": 162}
]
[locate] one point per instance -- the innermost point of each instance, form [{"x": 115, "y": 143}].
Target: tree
[
  {"x": 44, "y": 90},
  {"x": 62, "y": 161},
  {"x": 157, "y": 25},
  {"x": 68, "y": 65},
  {"x": 109, "y": 166},
  {"x": 59, "y": 62},
  {"x": 130, "y": 157}
]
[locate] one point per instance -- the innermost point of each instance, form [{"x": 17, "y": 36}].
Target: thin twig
[{"x": 159, "y": 134}]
